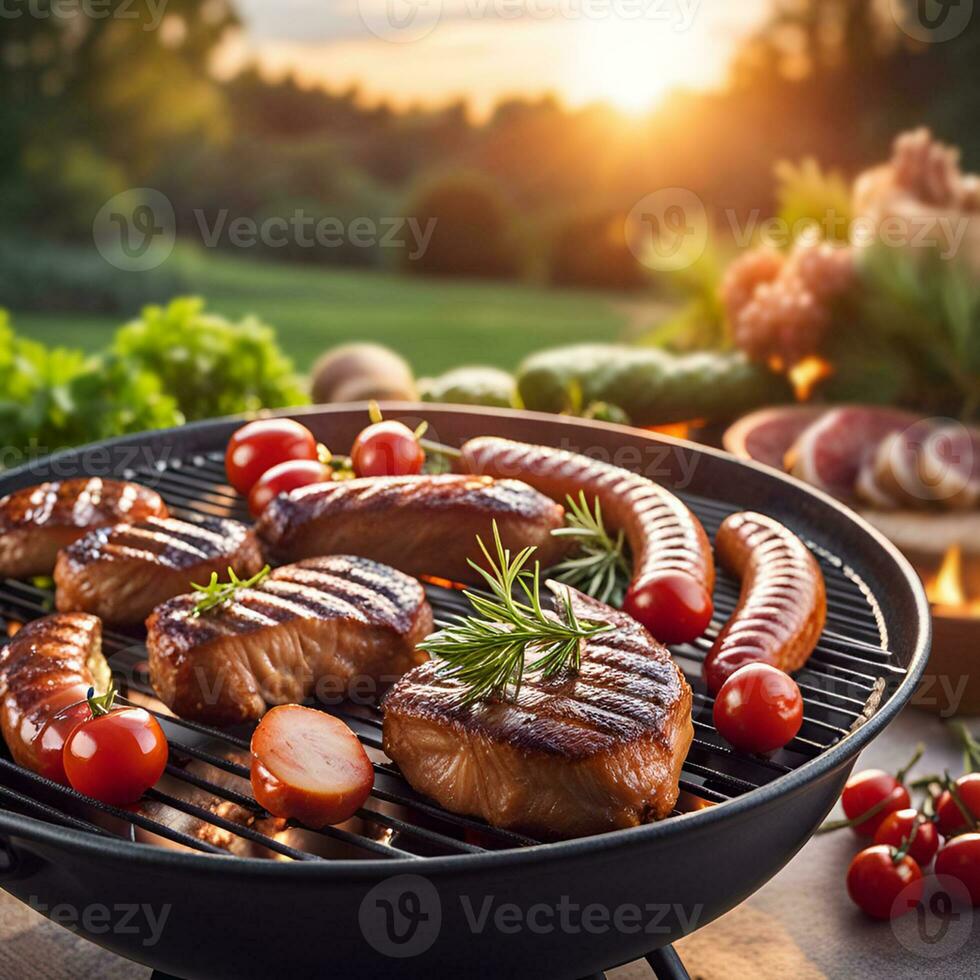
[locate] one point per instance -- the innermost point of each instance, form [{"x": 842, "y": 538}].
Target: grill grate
[{"x": 204, "y": 802}]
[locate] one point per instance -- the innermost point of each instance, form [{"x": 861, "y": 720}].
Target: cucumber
[
  {"x": 471, "y": 386},
  {"x": 652, "y": 386}
]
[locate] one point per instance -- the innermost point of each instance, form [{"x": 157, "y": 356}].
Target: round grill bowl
[{"x": 566, "y": 909}]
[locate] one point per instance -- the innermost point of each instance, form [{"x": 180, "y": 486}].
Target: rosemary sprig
[
  {"x": 488, "y": 652},
  {"x": 600, "y": 567},
  {"x": 217, "y": 593}
]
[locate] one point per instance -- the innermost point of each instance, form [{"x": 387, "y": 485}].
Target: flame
[
  {"x": 807, "y": 374},
  {"x": 946, "y": 590},
  {"x": 678, "y": 430}
]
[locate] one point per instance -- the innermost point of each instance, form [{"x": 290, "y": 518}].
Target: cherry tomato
[
  {"x": 285, "y": 477},
  {"x": 719, "y": 666},
  {"x": 673, "y": 606},
  {"x": 387, "y": 449},
  {"x": 116, "y": 757},
  {"x": 960, "y": 859},
  {"x": 759, "y": 709},
  {"x": 258, "y": 446},
  {"x": 897, "y": 826},
  {"x": 949, "y": 815},
  {"x": 876, "y": 879},
  {"x": 866, "y": 790}
]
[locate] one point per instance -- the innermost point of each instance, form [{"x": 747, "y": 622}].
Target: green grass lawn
[{"x": 435, "y": 324}]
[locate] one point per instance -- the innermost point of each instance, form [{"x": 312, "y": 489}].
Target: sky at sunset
[{"x": 627, "y": 52}]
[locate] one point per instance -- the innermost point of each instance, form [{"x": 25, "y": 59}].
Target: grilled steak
[
  {"x": 575, "y": 755},
  {"x": 48, "y": 666},
  {"x": 315, "y": 628},
  {"x": 122, "y": 573},
  {"x": 37, "y": 522},
  {"x": 422, "y": 525}
]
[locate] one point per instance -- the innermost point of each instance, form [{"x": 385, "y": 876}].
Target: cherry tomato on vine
[
  {"x": 866, "y": 790},
  {"x": 258, "y": 446},
  {"x": 950, "y": 817},
  {"x": 896, "y": 828},
  {"x": 284, "y": 477},
  {"x": 117, "y": 754},
  {"x": 759, "y": 709},
  {"x": 673, "y": 606},
  {"x": 387, "y": 449},
  {"x": 960, "y": 859},
  {"x": 877, "y": 876}
]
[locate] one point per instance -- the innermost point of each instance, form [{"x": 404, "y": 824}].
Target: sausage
[
  {"x": 783, "y": 603},
  {"x": 45, "y": 670},
  {"x": 421, "y": 525},
  {"x": 667, "y": 541},
  {"x": 309, "y": 766}
]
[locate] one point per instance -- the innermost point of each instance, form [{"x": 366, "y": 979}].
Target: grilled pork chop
[
  {"x": 316, "y": 628},
  {"x": 422, "y": 525},
  {"x": 37, "y": 522},
  {"x": 122, "y": 573},
  {"x": 575, "y": 755}
]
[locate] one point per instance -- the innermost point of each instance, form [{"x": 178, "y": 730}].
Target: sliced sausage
[{"x": 309, "y": 766}]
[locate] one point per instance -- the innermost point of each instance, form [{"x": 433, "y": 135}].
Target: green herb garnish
[
  {"x": 102, "y": 704},
  {"x": 600, "y": 568},
  {"x": 217, "y": 593},
  {"x": 487, "y": 651}
]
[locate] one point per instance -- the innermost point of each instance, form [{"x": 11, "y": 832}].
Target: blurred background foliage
[{"x": 530, "y": 199}]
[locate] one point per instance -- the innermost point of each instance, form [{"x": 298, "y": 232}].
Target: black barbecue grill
[{"x": 395, "y": 889}]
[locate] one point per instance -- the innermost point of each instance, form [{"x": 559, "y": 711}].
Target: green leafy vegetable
[
  {"x": 52, "y": 398},
  {"x": 926, "y": 310},
  {"x": 487, "y": 652},
  {"x": 211, "y": 365}
]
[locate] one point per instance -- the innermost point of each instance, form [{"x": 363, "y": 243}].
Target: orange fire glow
[
  {"x": 807, "y": 375},
  {"x": 678, "y": 430},
  {"x": 946, "y": 590}
]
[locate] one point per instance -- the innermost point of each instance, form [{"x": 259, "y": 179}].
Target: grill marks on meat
[
  {"x": 320, "y": 627},
  {"x": 782, "y": 607},
  {"x": 422, "y": 525},
  {"x": 37, "y": 522},
  {"x": 122, "y": 573},
  {"x": 663, "y": 533},
  {"x": 49, "y": 664},
  {"x": 575, "y": 755}
]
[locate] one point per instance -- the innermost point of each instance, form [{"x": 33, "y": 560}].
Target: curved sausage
[
  {"x": 668, "y": 544},
  {"x": 783, "y": 604},
  {"x": 45, "y": 670}
]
